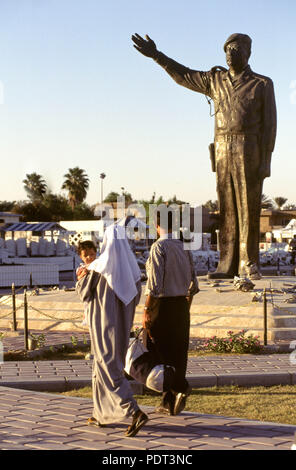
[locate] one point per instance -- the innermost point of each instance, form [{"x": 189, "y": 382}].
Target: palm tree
[
  {"x": 35, "y": 186},
  {"x": 175, "y": 200},
  {"x": 280, "y": 201},
  {"x": 266, "y": 202},
  {"x": 76, "y": 183},
  {"x": 290, "y": 207}
]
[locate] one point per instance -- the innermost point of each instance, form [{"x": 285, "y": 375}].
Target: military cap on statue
[{"x": 243, "y": 38}]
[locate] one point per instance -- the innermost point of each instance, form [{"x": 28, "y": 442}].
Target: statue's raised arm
[{"x": 192, "y": 79}]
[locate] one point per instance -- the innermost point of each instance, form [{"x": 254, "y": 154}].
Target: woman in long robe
[{"x": 111, "y": 286}]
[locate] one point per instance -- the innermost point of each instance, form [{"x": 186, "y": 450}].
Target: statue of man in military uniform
[{"x": 245, "y": 130}]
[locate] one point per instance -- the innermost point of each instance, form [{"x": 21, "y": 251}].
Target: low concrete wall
[{"x": 22, "y": 275}]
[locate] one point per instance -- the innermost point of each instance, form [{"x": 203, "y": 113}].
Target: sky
[{"x": 75, "y": 92}]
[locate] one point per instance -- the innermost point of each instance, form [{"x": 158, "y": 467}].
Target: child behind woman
[{"x": 88, "y": 253}]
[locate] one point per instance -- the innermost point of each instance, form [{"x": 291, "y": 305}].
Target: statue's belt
[{"x": 235, "y": 137}]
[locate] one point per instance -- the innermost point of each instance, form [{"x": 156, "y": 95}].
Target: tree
[
  {"x": 175, "y": 200},
  {"x": 280, "y": 201},
  {"x": 53, "y": 208},
  {"x": 76, "y": 183},
  {"x": 212, "y": 206},
  {"x": 128, "y": 199},
  {"x": 6, "y": 206},
  {"x": 145, "y": 203},
  {"x": 290, "y": 207},
  {"x": 112, "y": 197},
  {"x": 83, "y": 212},
  {"x": 266, "y": 202},
  {"x": 58, "y": 207},
  {"x": 35, "y": 187},
  {"x": 33, "y": 212}
]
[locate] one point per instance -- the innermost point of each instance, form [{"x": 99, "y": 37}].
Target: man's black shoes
[{"x": 139, "y": 419}]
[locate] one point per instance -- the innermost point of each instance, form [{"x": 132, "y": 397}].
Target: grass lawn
[{"x": 275, "y": 404}]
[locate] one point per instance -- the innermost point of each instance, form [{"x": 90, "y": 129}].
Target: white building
[
  {"x": 287, "y": 233},
  {"x": 9, "y": 218},
  {"x": 86, "y": 230}
]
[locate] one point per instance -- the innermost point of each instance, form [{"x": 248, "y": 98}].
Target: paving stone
[
  {"x": 249, "y": 446},
  {"x": 97, "y": 437},
  {"x": 64, "y": 417},
  {"x": 162, "y": 448},
  {"x": 23, "y": 432},
  {"x": 44, "y": 445},
  {"x": 88, "y": 445},
  {"x": 213, "y": 440},
  {"x": 211, "y": 447},
  {"x": 58, "y": 423},
  {"x": 210, "y": 432},
  {"x": 24, "y": 418},
  {"x": 53, "y": 430},
  {"x": 171, "y": 441},
  {"x": 129, "y": 443},
  {"x": 283, "y": 428},
  {"x": 8, "y": 446},
  {"x": 20, "y": 440},
  {"x": 267, "y": 441}
]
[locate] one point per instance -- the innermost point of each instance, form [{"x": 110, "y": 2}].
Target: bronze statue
[{"x": 245, "y": 130}]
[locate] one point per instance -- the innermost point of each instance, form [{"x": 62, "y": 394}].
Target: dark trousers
[
  {"x": 170, "y": 339},
  {"x": 239, "y": 193}
]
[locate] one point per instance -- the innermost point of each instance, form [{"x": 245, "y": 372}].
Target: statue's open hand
[{"x": 146, "y": 46}]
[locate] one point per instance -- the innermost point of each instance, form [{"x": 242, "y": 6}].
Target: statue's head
[{"x": 238, "y": 50}]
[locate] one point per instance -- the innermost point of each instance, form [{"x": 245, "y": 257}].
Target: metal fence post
[
  {"x": 14, "y": 326},
  {"x": 25, "y": 320},
  {"x": 278, "y": 267},
  {"x": 265, "y": 316}
]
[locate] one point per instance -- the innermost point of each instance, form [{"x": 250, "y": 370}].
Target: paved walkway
[
  {"x": 207, "y": 371},
  {"x": 34, "y": 420},
  {"x": 202, "y": 371}
]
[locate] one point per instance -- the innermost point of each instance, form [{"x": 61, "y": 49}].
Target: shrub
[{"x": 234, "y": 343}]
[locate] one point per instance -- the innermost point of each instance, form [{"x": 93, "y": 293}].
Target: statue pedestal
[{"x": 218, "y": 309}]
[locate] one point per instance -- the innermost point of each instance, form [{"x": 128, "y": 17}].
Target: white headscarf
[{"x": 118, "y": 264}]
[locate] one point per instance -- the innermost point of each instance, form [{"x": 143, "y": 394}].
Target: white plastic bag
[{"x": 143, "y": 366}]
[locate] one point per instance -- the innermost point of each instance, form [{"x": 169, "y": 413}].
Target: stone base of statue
[
  {"x": 219, "y": 308},
  {"x": 218, "y": 275}
]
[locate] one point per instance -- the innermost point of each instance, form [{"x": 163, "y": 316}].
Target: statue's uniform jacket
[{"x": 245, "y": 130}]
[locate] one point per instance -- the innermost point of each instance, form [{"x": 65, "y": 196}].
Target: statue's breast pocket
[{"x": 247, "y": 102}]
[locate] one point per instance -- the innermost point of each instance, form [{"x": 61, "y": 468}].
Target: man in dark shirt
[{"x": 245, "y": 129}]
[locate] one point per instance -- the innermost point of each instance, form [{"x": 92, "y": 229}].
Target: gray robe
[{"x": 110, "y": 322}]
